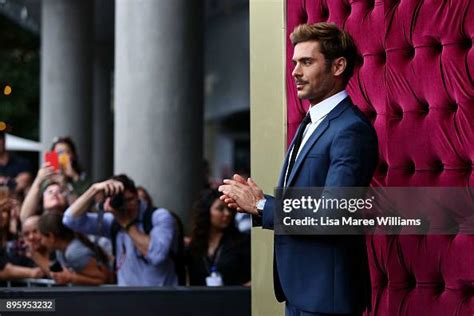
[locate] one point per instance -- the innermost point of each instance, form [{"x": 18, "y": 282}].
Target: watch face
[{"x": 260, "y": 204}]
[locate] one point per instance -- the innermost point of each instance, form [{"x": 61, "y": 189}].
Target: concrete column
[
  {"x": 102, "y": 132},
  {"x": 158, "y": 98},
  {"x": 66, "y": 73}
]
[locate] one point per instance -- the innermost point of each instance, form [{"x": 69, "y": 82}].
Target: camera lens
[{"x": 117, "y": 201}]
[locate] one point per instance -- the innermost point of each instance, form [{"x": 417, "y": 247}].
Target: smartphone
[
  {"x": 52, "y": 158},
  {"x": 55, "y": 267}
]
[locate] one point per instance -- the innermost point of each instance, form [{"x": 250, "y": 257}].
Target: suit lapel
[
  {"x": 285, "y": 163},
  {"x": 322, "y": 127}
]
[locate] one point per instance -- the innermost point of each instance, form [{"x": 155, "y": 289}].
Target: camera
[{"x": 117, "y": 201}]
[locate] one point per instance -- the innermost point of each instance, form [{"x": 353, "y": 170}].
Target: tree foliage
[{"x": 19, "y": 68}]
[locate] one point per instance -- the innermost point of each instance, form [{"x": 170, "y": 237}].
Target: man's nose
[{"x": 296, "y": 71}]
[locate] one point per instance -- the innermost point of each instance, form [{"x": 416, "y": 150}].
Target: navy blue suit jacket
[{"x": 322, "y": 273}]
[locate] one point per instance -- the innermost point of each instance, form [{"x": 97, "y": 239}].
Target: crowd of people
[{"x": 61, "y": 226}]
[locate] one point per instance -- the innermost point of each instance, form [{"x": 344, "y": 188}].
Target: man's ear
[{"x": 338, "y": 66}]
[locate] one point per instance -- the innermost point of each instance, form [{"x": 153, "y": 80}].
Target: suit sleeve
[
  {"x": 266, "y": 220},
  {"x": 353, "y": 157}
]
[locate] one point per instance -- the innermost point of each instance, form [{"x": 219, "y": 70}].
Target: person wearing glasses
[
  {"x": 45, "y": 195},
  {"x": 144, "y": 238},
  {"x": 69, "y": 181}
]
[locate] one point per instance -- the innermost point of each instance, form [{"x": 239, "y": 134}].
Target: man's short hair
[
  {"x": 128, "y": 183},
  {"x": 333, "y": 43}
]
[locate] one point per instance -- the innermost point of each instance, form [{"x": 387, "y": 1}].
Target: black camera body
[{"x": 117, "y": 202}]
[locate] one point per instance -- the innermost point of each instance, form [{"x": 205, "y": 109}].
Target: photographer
[{"x": 143, "y": 249}]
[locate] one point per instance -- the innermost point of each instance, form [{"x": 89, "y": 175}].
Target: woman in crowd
[
  {"x": 79, "y": 261},
  {"x": 218, "y": 254},
  {"x": 35, "y": 252},
  {"x": 73, "y": 177},
  {"x": 45, "y": 195},
  {"x": 69, "y": 182},
  {"x": 9, "y": 227},
  {"x": 9, "y": 270}
]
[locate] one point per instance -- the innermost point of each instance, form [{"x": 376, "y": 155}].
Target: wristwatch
[{"x": 260, "y": 205}]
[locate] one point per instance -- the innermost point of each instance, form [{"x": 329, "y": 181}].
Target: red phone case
[{"x": 52, "y": 158}]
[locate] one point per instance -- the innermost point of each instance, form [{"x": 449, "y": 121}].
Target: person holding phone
[
  {"x": 45, "y": 195},
  {"x": 70, "y": 169}
]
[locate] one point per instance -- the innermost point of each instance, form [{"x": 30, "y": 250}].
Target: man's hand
[
  {"x": 240, "y": 194},
  {"x": 109, "y": 187},
  {"x": 64, "y": 277}
]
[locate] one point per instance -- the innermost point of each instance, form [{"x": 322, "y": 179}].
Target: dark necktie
[{"x": 296, "y": 145}]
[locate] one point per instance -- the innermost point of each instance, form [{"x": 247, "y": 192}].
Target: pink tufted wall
[{"x": 416, "y": 86}]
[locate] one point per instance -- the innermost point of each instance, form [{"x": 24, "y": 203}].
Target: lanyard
[{"x": 214, "y": 260}]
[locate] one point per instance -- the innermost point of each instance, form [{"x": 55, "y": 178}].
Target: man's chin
[{"x": 301, "y": 95}]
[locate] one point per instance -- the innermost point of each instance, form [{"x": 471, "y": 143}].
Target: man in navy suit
[{"x": 335, "y": 146}]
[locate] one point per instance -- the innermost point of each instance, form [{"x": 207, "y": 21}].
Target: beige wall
[{"x": 268, "y": 134}]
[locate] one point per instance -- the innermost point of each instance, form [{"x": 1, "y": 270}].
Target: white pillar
[
  {"x": 66, "y": 73},
  {"x": 158, "y": 98}
]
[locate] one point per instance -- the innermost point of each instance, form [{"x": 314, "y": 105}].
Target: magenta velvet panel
[{"x": 415, "y": 84}]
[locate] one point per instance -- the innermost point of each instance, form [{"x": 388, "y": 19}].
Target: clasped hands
[{"x": 241, "y": 194}]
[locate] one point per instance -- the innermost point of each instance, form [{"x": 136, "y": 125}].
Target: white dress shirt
[{"x": 317, "y": 113}]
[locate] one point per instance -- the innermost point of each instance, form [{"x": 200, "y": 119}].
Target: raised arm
[
  {"x": 33, "y": 198},
  {"x": 78, "y": 219}
]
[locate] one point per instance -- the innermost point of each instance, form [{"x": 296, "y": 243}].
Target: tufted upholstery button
[
  {"x": 467, "y": 43},
  {"x": 438, "y": 47},
  {"x": 324, "y": 14},
  {"x": 411, "y": 282},
  {"x": 398, "y": 114},
  {"x": 411, "y": 52},
  {"x": 384, "y": 280},
  {"x": 410, "y": 167},
  {"x": 424, "y": 109},
  {"x": 348, "y": 8},
  {"x": 438, "y": 166},
  {"x": 453, "y": 107},
  {"x": 371, "y": 115},
  {"x": 441, "y": 286},
  {"x": 383, "y": 56}
]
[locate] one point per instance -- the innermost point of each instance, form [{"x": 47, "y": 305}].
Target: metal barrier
[{"x": 142, "y": 301}]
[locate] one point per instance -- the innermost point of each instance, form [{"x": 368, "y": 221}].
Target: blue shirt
[{"x": 134, "y": 269}]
